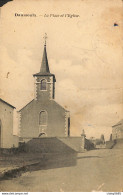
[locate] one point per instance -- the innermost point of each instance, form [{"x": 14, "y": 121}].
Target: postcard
[{"x": 61, "y": 96}]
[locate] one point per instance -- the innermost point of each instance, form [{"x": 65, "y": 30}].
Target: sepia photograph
[{"x": 61, "y": 96}]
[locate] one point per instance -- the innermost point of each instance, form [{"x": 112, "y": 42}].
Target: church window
[
  {"x": 43, "y": 84},
  {"x": 43, "y": 118}
]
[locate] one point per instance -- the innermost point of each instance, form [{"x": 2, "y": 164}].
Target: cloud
[
  {"x": 96, "y": 120},
  {"x": 15, "y": 77}
]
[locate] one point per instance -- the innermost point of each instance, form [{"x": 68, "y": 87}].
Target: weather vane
[{"x": 45, "y": 38}]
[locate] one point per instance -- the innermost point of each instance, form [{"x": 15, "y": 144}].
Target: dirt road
[{"x": 97, "y": 170}]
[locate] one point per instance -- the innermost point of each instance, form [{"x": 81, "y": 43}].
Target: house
[
  {"x": 7, "y": 139},
  {"x": 43, "y": 116},
  {"x": 117, "y": 130}
]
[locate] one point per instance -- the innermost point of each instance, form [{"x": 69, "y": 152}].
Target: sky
[{"x": 85, "y": 53}]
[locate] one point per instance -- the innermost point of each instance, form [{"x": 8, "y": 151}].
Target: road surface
[{"x": 97, "y": 170}]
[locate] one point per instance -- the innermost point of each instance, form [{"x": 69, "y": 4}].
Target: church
[{"x": 43, "y": 116}]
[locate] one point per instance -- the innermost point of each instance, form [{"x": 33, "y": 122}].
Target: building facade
[
  {"x": 117, "y": 130},
  {"x": 7, "y": 139},
  {"x": 43, "y": 116}
]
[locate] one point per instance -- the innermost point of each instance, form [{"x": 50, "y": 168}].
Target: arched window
[
  {"x": 43, "y": 118},
  {"x": 43, "y": 84}
]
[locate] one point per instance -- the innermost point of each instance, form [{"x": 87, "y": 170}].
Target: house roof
[
  {"x": 6, "y": 103},
  {"x": 119, "y": 123}
]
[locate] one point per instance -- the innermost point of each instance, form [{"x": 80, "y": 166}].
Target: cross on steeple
[{"x": 45, "y": 38}]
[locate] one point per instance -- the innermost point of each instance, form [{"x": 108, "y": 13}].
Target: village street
[{"x": 97, "y": 170}]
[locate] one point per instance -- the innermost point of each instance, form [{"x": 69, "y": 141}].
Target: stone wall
[
  {"x": 117, "y": 132},
  {"x": 6, "y": 117},
  {"x": 74, "y": 142},
  {"x": 46, "y": 145},
  {"x": 57, "y": 145}
]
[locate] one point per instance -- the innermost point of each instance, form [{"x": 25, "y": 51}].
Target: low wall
[
  {"x": 77, "y": 144},
  {"x": 110, "y": 144},
  {"x": 118, "y": 144},
  {"x": 73, "y": 142},
  {"x": 46, "y": 145},
  {"x": 58, "y": 144},
  {"x": 89, "y": 145}
]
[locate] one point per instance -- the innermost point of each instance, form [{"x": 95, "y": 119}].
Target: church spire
[
  {"x": 44, "y": 65},
  {"x": 45, "y": 38},
  {"x": 44, "y": 69}
]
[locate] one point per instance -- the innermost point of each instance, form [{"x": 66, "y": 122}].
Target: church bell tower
[{"x": 44, "y": 80}]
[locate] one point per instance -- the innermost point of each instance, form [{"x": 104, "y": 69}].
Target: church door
[{"x": 0, "y": 134}]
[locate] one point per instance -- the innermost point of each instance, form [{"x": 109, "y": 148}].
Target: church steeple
[
  {"x": 44, "y": 65},
  {"x": 44, "y": 80}
]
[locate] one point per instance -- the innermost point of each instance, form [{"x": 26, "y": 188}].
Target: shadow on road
[
  {"x": 88, "y": 157},
  {"x": 55, "y": 161},
  {"x": 48, "y": 161}
]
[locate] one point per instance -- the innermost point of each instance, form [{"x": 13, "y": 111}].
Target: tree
[
  {"x": 111, "y": 137},
  {"x": 102, "y": 138}
]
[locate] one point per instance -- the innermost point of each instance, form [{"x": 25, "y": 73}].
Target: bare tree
[
  {"x": 111, "y": 137},
  {"x": 102, "y": 138}
]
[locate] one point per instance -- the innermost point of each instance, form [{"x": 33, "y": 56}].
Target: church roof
[
  {"x": 44, "y": 70},
  {"x": 119, "y": 123},
  {"x": 6, "y": 103},
  {"x": 26, "y": 105},
  {"x": 43, "y": 74},
  {"x": 44, "y": 65}
]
